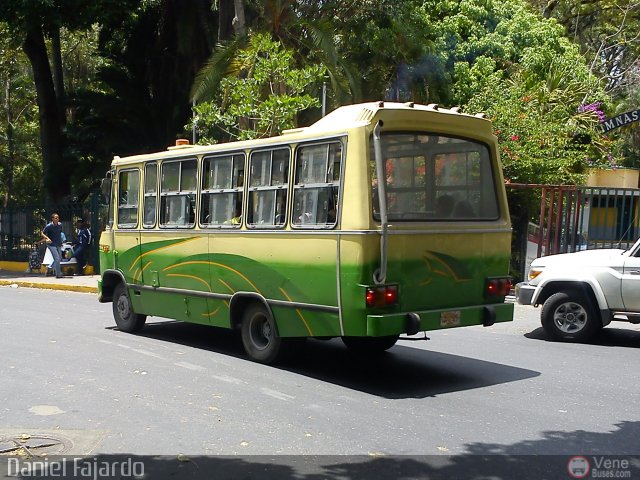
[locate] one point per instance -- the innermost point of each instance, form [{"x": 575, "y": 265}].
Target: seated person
[
  {"x": 463, "y": 209},
  {"x": 444, "y": 206}
]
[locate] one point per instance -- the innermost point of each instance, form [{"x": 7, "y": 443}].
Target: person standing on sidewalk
[
  {"x": 52, "y": 235},
  {"x": 81, "y": 246}
]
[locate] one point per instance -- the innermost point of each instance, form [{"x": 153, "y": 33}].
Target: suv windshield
[{"x": 435, "y": 178}]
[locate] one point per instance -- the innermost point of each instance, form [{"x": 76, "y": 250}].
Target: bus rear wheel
[
  {"x": 260, "y": 336},
  {"x": 370, "y": 345},
  {"x": 126, "y": 319}
]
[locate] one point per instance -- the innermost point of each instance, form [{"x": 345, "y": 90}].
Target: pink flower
[{"x": 515, "y": 138}]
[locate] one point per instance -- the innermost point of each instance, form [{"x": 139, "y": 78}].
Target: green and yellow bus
[{"x": 296, "y": 236}]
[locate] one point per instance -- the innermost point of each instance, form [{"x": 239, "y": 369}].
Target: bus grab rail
[{"x": 380, "y": 275}]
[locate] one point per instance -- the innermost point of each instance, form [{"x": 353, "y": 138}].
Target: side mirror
[{"x": 105, "y": 187}]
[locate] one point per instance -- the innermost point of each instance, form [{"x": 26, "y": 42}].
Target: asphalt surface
[{"x": 501, "y": 402}]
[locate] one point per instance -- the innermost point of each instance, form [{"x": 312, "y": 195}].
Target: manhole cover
[{"x": 33, "y": 445}]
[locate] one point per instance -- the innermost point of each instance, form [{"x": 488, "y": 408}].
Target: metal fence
[
  {"x": 571, "y": 219},
  {"x": 21, "y": 227}
]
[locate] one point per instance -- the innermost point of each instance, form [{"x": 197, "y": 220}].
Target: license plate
[{"x": 450, "y": 319}]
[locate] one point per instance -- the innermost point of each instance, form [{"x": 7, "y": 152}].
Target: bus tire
[
  {"x": 370, "y": 345},
  {"x": 260, "y": 336},
  {"x": 569, "y": 316},
  {"x": 126, "y": 319}
]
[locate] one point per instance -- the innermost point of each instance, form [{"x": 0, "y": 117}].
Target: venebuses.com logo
[
  {"x": 578, "y": 467},
  {"x": 598, "y": 467}
]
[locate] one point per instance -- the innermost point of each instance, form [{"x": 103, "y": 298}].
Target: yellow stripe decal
[
  {"x": 211, "y": 314},
  {"x": 202, "y": 262},
  {"x": 179, "y": 242},
  {"x": 298, "y": 311},
  {"x": 193, "y": 277},
  {"x": 226, "y": 285}
]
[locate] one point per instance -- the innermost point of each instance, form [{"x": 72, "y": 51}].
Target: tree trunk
[
  {"x": 239, "y": 23},
  {"x": 226, "y": 13},
  {"x": 58, "y": 76},
  {"x": 55, "y": 178},
  {"x": 8, "y": 167}
]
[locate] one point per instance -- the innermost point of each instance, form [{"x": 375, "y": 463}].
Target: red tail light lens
[
  {"x": 381, "y": 296},
  {"x": 391, "y": 295},
  {"x": 498, "y": 287}
]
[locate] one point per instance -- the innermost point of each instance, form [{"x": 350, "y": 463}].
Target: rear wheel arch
[{"x": 240, "y": 302}]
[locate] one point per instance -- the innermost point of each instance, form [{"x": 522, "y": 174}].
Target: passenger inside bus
[
  {"x": 444, "y": 206},
  {"x": 463, "y": 209}
]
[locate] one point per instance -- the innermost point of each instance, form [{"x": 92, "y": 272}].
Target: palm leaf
[{"x": 220, "y": 64}]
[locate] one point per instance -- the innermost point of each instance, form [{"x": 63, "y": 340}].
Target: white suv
[{"x": 583, "y": 291}]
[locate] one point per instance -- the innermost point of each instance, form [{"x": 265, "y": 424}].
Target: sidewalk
[{"x": 85, "y": 283}]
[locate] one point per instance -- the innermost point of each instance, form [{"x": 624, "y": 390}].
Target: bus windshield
[{"x": 435, "y": 178}]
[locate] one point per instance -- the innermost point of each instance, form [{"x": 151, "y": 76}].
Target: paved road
[{"x": 184, "y": 389}]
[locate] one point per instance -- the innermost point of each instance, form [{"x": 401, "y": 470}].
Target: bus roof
[{"x": 362, "y": 113}]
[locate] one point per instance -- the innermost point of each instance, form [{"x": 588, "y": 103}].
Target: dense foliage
[
  {"x": 263, "y": 96},
  {"x": 121, "y": 78}
]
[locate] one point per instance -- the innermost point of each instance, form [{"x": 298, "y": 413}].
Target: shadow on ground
[
  {"x": 545, "y": 458},
  {"x": 608, "y": 337},
  {"x": 402, "y": 372}
]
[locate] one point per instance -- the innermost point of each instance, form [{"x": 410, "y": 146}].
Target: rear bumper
[
  {"x": 524, "y": 293},
  {"x": 399, "y": 323}
]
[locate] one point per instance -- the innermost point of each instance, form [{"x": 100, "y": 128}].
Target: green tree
[
  {"x": 33, "y": 22},
  {"x": 19, "y": 160},
  {"x": 262, "y": 98},
  {"x": 607, "y": 33},
  {"x": 548, "y": 133},
  {"x": 308, "y": 29},
  {"x": 140, "y": 101}
]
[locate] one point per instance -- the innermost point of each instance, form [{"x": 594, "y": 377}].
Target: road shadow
[
  {"x": 608, "y": 337},
  {"x": 549, "y": 457},
  {"x": 401, "y": 372}
]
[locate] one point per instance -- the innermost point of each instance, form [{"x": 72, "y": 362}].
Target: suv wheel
[{"x": 569, "y": 316}]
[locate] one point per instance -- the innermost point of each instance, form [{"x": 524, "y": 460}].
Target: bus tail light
[
  {"x": 381, "y": 296},
  {"x": 498, "y": 287}
]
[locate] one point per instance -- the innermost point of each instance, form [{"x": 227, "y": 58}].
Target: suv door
[{"x": 631, "y": 281}]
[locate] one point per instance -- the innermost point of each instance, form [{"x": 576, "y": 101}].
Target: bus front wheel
[
  {"x": 370, "y": 345},
  {"x": 126, "y": 319},
  {"x": 260, "y": 336}
]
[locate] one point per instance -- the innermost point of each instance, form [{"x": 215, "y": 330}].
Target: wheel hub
[
  {"x": 123, "y": 307},
  {"x": 570, "y": 317},
  {"x": 261, "y": 332}
]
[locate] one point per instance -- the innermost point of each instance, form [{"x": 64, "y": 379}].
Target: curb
[{"x": 50, "y": 286}]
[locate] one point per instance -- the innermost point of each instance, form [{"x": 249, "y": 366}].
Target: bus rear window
[{"x": 435, "y": 178}]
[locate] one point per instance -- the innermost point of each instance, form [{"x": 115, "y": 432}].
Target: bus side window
[
  {"x": 178, "y": 193},
  {"x": 221, "y": 199},
  {"x": 316, "y": 187},
  {"x": 128, "y": 189},
  {"x": 150, "y": 194},
  {"x": 268, "y": 187}
]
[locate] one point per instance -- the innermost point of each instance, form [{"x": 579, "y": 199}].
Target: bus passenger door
[{"x": 126, "y": 235}]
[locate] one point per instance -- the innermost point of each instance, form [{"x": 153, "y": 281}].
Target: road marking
[
  {"x": 137, "y": 350},
  {"x": 276, "y": 394},
  {"x": 190, "y": 366},
  {"x": 225, "y": 378},
  {"x": 148, "y": 353}
]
